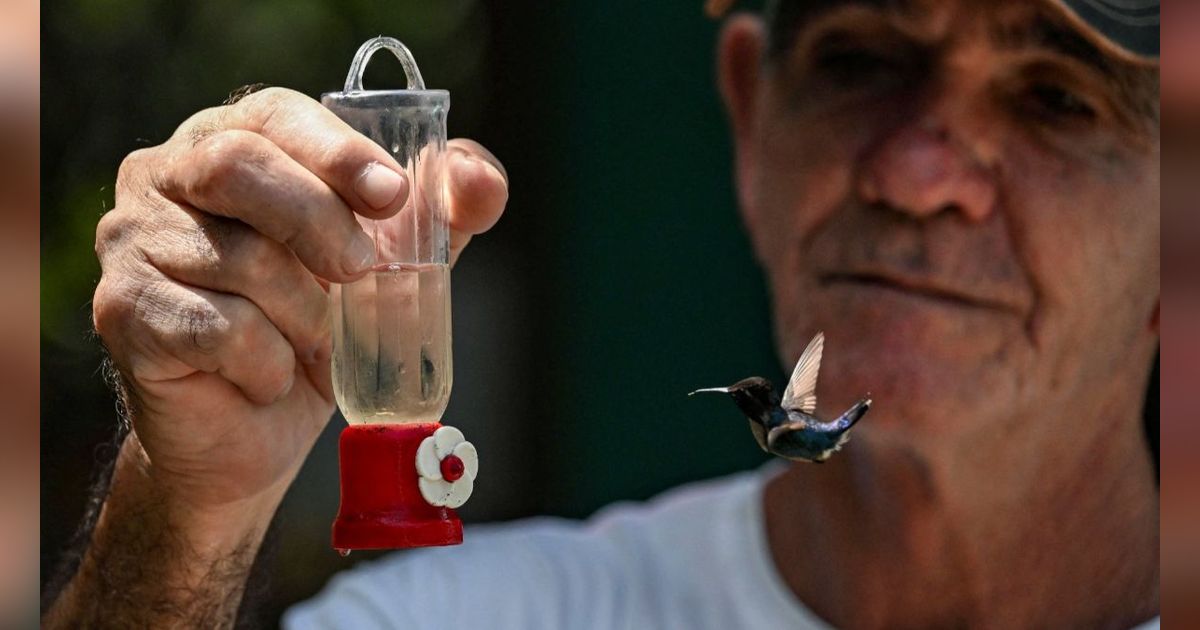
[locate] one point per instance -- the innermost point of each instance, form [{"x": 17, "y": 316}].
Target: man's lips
[{"x": 924, "y": 287}]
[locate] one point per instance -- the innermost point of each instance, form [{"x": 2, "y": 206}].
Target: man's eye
[
  {"x": 1058, "y": 102},
  {"x": 854, "y": 64}
]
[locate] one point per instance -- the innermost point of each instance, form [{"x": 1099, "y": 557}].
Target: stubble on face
[{"x": 1034, "y": 278}]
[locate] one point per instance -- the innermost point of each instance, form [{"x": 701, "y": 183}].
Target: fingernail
[
  {"x": 359, "y": 254},
  {"x": 378, "y": 185},
  {"x": 468, "y": 158}
]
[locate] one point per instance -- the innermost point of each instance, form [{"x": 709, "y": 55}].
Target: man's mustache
[{"x": 942, "y": 256}]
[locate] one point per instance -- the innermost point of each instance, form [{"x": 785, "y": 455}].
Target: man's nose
[{"x": 922, "y": 168}]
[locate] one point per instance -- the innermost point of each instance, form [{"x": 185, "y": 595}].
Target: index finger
[
  {"x": 477, "y": 183},
  {"x": 360, "y": 171}
]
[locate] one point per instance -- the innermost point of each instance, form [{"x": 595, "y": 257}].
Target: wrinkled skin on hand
[{"x": 216, "y": 263}]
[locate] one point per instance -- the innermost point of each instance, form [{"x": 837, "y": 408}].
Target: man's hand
[{"x": 213, "y": 302}]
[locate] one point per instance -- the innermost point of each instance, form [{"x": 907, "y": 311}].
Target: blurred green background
[{"x": 618, "y": 280}]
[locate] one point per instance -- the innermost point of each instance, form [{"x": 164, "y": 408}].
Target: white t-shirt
[{"x": 695, "y": 558}]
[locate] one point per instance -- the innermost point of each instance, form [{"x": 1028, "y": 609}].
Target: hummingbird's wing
[{"x": 801, "y": 392}]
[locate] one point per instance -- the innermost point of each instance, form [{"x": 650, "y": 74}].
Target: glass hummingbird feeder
[{"x": 402, "y": 472}]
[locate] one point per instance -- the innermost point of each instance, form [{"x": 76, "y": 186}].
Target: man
[{"x": 963, "y": 195}]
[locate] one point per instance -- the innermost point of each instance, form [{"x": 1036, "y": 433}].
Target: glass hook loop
[{"x": 363, "y": 56}]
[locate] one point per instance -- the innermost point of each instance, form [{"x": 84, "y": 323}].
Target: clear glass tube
[{"x": 392, "y": 360}]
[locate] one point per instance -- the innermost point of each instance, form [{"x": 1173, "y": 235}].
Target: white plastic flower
[{"x": 447, "y": 464}]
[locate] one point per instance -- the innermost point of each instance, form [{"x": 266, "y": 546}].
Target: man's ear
[{"x": 739, "y": 70}]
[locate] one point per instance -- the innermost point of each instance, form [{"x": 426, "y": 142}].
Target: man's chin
[
  {"x": 916, "y": 390},
  {"x": 906, "y": 395},
  {"x": 889, "y": 322}
]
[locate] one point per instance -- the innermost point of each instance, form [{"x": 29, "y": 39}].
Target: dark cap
[
  {"x": 1127, "y": 28},
  {"x": 1130, "y": 25}
]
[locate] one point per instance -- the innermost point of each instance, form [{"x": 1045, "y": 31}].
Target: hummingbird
[{"x": 789, "y": 427}]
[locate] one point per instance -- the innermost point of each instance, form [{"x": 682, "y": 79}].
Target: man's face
[{"x": 965, "y": 198}]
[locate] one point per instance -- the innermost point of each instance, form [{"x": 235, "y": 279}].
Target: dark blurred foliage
[{"x": 618, "y": 280}]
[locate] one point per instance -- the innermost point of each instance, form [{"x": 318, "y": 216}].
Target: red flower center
[{"x": 452, "y": 468}]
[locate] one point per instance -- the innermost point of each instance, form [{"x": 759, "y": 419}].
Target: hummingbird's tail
[{"x": 855, "y": 413}]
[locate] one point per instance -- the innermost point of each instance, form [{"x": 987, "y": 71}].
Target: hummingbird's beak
[{"x": 719, "y": 390}]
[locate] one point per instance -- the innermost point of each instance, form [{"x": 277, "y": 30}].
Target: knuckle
[
  {"x": 203, "y": 328},
  {"x": 139, "y": 180},
  {"x": 200, "y": 126},
  {"x": 263, "y": 105},
  {"x": 111, "y": 307},
  {"x": 275, "y": 374},
  {"x": 132, "y": 171},
  {"x": 224, "y": 148},
  {"x": 243, "y": 92},
  {"x": 270, "y": 96},
  {"x": 220, "y": 161},
  {"x": 201, "y": 131},
  {"x": 113, "y": 229},
  {"x": 343, "y": 156},
  {"x": 245, "y": 335},
  {"x": 213, "y": 238},
  {"x": 259, "y": 259}
]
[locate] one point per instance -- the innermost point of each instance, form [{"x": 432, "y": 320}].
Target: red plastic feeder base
[{"x": 382, "y": 506}]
